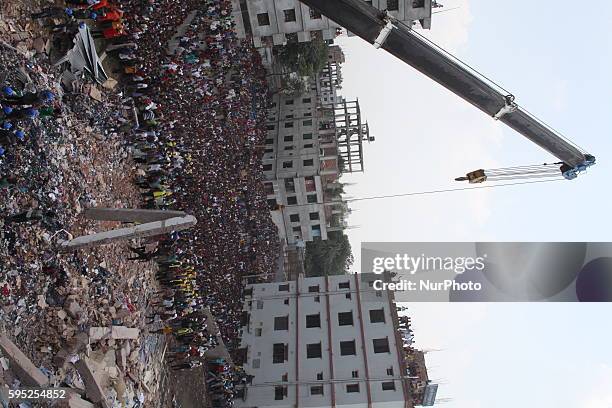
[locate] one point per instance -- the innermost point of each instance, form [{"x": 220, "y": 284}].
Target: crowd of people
[
  {"x": 201, "y": 97},
  {"x": 201, "y": 113},
  {"x": 224, "y": 383},
  {"x": 17, "y": 110}
]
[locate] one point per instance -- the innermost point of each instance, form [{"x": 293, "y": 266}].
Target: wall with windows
[
  {"x": 271, "y": 20},
  {"x": 301, "y": 331}
]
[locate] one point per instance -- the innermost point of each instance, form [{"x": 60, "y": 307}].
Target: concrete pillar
[
  {"x": 130, "y": 215},
  {"x": 93, "y": 389},
  {"x": 139, "y": 231},
  {"x": 27, "y": 372}
]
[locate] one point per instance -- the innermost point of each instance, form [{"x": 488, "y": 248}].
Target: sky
[
  {"x": 555, "y": 62},
  {"x": 558, "y": 65}
]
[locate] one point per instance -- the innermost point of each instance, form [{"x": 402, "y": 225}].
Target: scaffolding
[{"x": 351, "y": 132}]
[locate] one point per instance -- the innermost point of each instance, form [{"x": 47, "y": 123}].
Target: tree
[
  {"x": 294, "y": 86},
  {"x": 307, "y": 58},
  {"x": 331, "y": 257}
]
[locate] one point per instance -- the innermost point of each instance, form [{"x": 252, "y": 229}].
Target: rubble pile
[{"x": 49, "y": 301}]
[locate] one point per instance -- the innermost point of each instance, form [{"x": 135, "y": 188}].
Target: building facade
[
  {"x": 324, "y": 342},
  {"x": 300, "y": 159},
  {"x": 270, "y": 22}
]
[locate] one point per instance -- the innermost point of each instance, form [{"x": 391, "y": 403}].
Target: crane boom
[{"x": 380, "y": 29}]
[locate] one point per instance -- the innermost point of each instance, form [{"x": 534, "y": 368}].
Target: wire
[
  {"x": 453, "y": 57},
  {"x": 474, "y": 70},
  {"x": 546, "y": 125},
  {"x": 450, "y": 190}
]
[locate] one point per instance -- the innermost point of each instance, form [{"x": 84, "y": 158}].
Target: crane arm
[{"x": 381, "y": 30}]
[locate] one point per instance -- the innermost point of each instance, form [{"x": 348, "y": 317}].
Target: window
[
  {"x": 288, "y": 138},
  {"x": 381, "y": 345},
  {"x": 307, "y": 114},
  {"x": 390, "y": 371},
  {"x": 313, "y": 350},
  {"x": 288, "y": 125},
  {"x": 352, "y": 387},
  {"x": 289, "y": 15},
  {"x": 316, "y": 390},
  {"x": 283, "y": 288},
  {"x": 294, "y": 218},
  {"x": 292, "y": 200},
  {"x": 307, "y": 122},
  {"x": 306, "y": 100},
  {"x": 308, "y": 162},
  {"x": 288, "y": 148},
  {"x": 280, "y": 392},
  {"x": 310, "y": 184},
  {"x": 317, "y": 299},
  {"x": 418, "y": 3},
  {"x": 314, "y": 14},
  {"x": 281, "y": 323},
  {"x": 311, "y": 198},
  {"x": 348, "y": 295},
  {"x": 269, "y": 141},
  {"x": 279, "y": 353},
  {"x": 258, "y": 332},
  {"x": 313, "y": 320},
  {"x": 316, "y": 229},
  {"x": 355, "y": 374},
  {"x": 267, "y": 167},
  {"x": 393, "y": 5},
  {"x": 377, "y": 316},
  {"x": 388, "y": 386},
  {"x": 289, "y": 102},
  {"x": 344, "y": 285},
  {"x": 269, "y": 188},
  {"x": 286, "y": 301},
  {"x": 297, "y": 229},
  {"x": 270, "y": 150},
  {"x": 319, "y": 376},
  {"x": 313, "y": 216},
  {"x": 288, "y": 164},
  {"x": 289, "y": 185},
  {"x": 270, "y": 127},
  {"x": 307, "y": 136},
  {"x": 313, "y": 289},
  {"x": 307, "y": 146},
  {"x": 345, "y": 319},
  {"x": 256, "y": 363},
  {"x": 260, "y": 304},
  {"x": 289, "y": 117},
  {"x": 263, "y": 19},
  {"x": 347, "y": 348}
]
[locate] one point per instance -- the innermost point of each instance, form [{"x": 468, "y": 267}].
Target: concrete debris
[
  {"x": 93, "y": 389},
  {"x": 27, "y": 372}
]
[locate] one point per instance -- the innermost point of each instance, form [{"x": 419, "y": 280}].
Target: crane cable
[
  {"x": 450, "y": 190},
  {"x": 495, "y": 84}
]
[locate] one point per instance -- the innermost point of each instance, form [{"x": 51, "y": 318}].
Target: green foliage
[
  {"x": 294, "y": 86},
  {"x": 330, "y": 257},
  {"x": 307, "y": 58}
]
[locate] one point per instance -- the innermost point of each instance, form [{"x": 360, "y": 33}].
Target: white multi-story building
[
  {"x": 270, "y": 22},
  {"x": 325, "y": 342}
]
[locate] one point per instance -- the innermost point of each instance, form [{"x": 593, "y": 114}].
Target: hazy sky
[{"x": 558, "y": 63}]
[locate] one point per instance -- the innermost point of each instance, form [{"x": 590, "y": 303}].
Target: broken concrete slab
[
  {"x": 113, "y": 332},
  {"x": 99, "y": 333},
  {"x": 122, "y": 332},
  {"x": 93, "y": 389},
  {"x": 74, "y": 400},
  {"x": 27, "y": 372}
]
